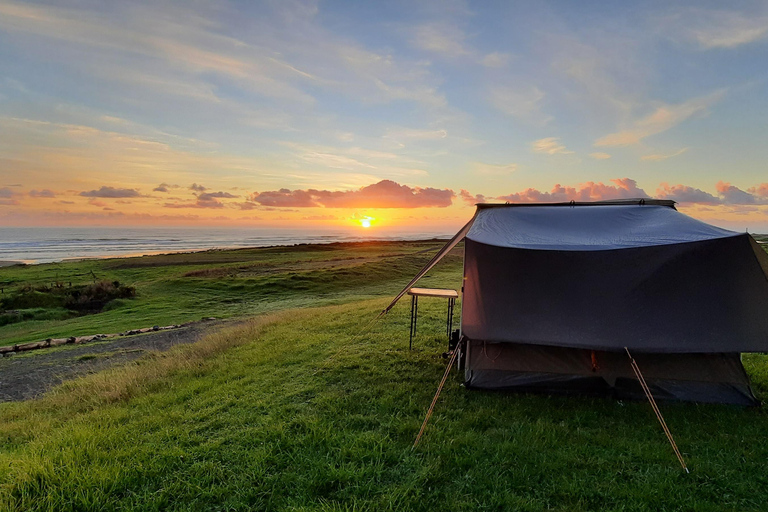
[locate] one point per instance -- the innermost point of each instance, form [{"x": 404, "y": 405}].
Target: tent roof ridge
[{"x": 640, "y": 201}]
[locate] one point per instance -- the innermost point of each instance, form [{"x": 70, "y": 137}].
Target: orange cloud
[{"x": 384, "y": 194}]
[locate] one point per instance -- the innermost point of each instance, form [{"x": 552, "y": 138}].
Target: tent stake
[
  {"x": 649, "y": 395},
  {"x": 437, "y": 395}
]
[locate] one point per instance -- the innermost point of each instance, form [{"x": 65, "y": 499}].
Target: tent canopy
[{"x": 589, "y": 229}]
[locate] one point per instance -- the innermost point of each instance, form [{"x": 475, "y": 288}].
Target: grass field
[
  {"x": 303, "y": 409},
  {"x": 178, "y": 288}
]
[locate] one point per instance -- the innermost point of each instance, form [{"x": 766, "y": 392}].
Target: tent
[{"x": 555, "y": 295}]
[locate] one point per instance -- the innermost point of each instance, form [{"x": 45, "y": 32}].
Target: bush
[
  {"x": 94, "y": 297},
  {"x": 90, "y": 298}
]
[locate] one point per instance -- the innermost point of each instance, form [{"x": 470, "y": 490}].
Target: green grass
[
  {"x": 295, "y": 412},
  {"x": 305, "y": 409},
  {"x": 178, "y": 288}
]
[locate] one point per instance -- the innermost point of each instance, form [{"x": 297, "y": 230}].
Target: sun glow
[{"x": 366, "y": 221}]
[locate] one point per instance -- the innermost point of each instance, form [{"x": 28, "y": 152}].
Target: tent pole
[
  {"x": 649, "y": 395},
  {"x": 437, "y": 395}
]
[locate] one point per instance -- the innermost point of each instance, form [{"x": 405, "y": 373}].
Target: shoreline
[
  {"x": 76, "y": 259},
  {"x": 66, "y": 245},
  {"x": 10, "y": 263}
]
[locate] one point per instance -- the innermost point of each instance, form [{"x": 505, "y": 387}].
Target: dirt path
[{"x": 29, "y": 374}]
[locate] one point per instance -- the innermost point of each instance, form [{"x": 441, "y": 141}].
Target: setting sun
[{"x": 366, "y": 222}]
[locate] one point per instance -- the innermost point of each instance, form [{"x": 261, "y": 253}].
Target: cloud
[
  {"x": 400, "y": 134},
  {"x": 319, "y": 217},
  {"x": 204, "y": 199},
  {"x": 285, "y": 198},
  {"x": 759, "y": 190},
  {"x": 658, "y": 158},
  {"x": 441, "y": 38},
  {"x": 6, "y": 193},
  {"x": 384, "y": 194},
  {"x": 42, "y": 193},
  {"x": 470, "y": 199},
  {"x": 624, "y": 188},
  {"x": 662, "y": 119},
  {"x": 493, "y": 169},
  {"x": 207, "y": 196},
  {"x": 600, "y": 156},
  {"x": 495, "y": 60},
  {"x": 164, "y": 187},
  {"x": 198, "y": 204},
  {"x": 550, "y": 146},
  {"x": 722, "y": 28},
  {"x": 197, "y": 188},
  {"x": 685, "y": 194},
  {"x": 111, "y": 193},
  {"x": 734, "y": 195},
  {"x": 524, "y": 104}
]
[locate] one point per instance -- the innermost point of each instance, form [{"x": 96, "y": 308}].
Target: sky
[{"x": 398, "y": 115}]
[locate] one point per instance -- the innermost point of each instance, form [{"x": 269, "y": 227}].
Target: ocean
[{"x": 45, "y": 245}]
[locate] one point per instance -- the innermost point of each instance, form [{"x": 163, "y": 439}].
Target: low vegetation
[{"x": 317, "y": 409}]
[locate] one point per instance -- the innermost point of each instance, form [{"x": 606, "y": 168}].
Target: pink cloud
[
  {"x": 733, "y": 195},
  {"x": 470, "y": 199},
  {"x": 685, "y": 194},
  {"x": 623, "y": 188},
  {"x": 760, "y": 190},
  {"x": 384, "y": 194}
]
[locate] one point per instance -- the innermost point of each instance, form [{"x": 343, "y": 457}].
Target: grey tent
[{"x": 553, "y": 293}]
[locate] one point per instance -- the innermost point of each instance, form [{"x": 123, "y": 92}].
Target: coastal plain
[{"x": 301, "y": 401}]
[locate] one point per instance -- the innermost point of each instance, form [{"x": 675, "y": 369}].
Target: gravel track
[{"x": 29, "y": 374}]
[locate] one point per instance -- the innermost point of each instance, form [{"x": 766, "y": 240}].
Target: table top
[{"x": 434, "y": 292}]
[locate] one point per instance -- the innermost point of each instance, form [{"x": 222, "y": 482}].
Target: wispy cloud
[
  {"x": 485, "y": 169},
  {"x": 496, "y": 60},
  {"x": 660, "y": 120},
  {"x": 723, "y": 28},
  {"x": 659, "y": 157},
  {"x": 442, "y": 38},
  {"x": 600, "y": 156},
  {"x": 550, "y": 146},
  {"x": 524, "y": 104}
]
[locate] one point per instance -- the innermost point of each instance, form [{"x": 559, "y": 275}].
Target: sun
[{"x": 366, "y": 221}]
